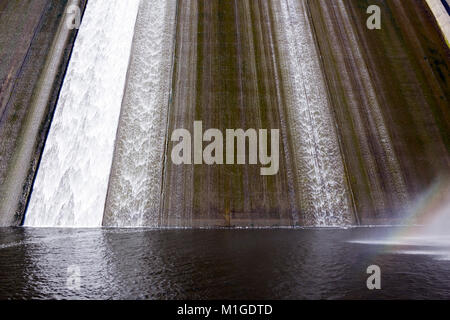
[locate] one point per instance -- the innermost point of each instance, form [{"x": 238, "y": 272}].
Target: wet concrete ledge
[{"x": 27, "y": 115}]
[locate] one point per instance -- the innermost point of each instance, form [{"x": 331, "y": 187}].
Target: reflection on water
[{"x": 212, "y": 264}]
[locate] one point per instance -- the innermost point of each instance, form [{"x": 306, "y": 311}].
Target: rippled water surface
[{"x": 216, "y": 264}]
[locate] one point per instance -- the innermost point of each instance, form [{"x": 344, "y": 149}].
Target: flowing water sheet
[
  {"x": 71, "y": 184},
  {"x": 135, "y": 184}
]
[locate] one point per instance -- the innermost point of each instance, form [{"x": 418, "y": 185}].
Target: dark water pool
[{"x": 212, "y": 264}]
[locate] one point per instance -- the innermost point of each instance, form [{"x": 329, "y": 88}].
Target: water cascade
[
  {"x": 321, "y": 177},
  {"x": 136, "y": 176},
  {"x": 72, "y": 180},
  {"x": 357, "y": 142}
]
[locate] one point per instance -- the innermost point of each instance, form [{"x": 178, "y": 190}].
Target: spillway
[
  {"x": 358, "y": 140},
  {"x": 136, "y": 176},
  {"x": 72, "y": 180}
]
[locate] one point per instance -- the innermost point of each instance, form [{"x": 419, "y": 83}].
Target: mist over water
[{"x": 431, "y": 236}]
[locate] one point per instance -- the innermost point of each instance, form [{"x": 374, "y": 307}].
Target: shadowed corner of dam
[{"x": 35, "y": 49}]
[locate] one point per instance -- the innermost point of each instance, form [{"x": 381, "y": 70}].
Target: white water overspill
[
  {"x": 71, "y": 184},
  {"x": 135, "y": 185},
  {"x": 322, "y": 184}
]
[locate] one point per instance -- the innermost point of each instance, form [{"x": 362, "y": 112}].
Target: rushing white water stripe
[
  {"x": 320, "y": 170},
  {"x": 72, "y": 180},
  {"x": 135, "y": 184}
]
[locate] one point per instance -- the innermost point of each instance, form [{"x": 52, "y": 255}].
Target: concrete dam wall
[{"x": 362, "y": 115}]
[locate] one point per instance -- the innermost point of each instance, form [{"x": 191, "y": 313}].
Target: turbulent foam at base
[{"x": 71, "y": 184}]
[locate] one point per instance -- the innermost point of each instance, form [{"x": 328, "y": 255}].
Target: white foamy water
[
  {"x": 135, "y": 185},
  {"x": 72, "y": 180},
  {"x": 322, "y": 183}
]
